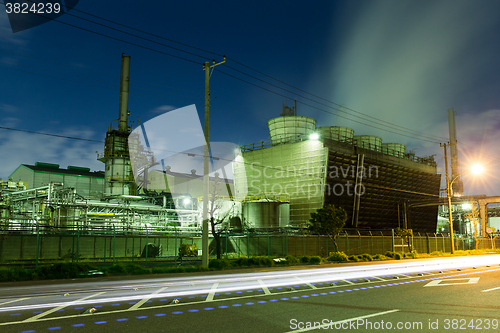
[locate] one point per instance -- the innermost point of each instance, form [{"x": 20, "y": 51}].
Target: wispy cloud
[
  {"x": 27, "y": 148},
  {"x": 163, "y": 109}
]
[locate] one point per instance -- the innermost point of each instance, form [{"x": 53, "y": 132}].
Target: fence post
[
  {"x": 383, "y": 245},
  {"x": 347, "y": 242},
  {"x": 359, "y": 242},
  {"x": 268, "y": 243},
  {"x": 37, "y": 243},
  {"x": 175, "y": 245},
  {"x": 147, "y": 235},
  {"x": 303, "y": 244},
  {"x": 319, "y": 245},
  {"x": 105, "y": 250},
  {"x": 393, "y": 247},
  {"x": 227, "y": 236},
  {"x": 286, "y": 242},
  {"x": 371, "y": 243},
  {"x": 77, "y": 243},
  {"x": 133, "y": 246},
  {"x": 114, "y": 244},
  {"x": 248, "y": 243}
]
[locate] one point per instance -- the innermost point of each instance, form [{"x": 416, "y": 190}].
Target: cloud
[
  {"x": 9, "y": 39},
  {"x": 163, "y": 109},
  {"x": 27, "y": 148}
]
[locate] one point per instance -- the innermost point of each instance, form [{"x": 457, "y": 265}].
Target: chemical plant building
[
  {"x": 276, "y": 184},
  {"x": 375, "y": 182}
]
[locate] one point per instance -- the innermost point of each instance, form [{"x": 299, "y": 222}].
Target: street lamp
[{"x": 475, "y": 169}]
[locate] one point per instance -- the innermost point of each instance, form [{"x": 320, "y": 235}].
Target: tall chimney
[
  {"x": 458, "y": 186},
  {"x": 124, "y": 89}
]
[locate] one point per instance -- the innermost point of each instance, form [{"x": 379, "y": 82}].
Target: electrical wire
[{"x": 380, "y": 122}]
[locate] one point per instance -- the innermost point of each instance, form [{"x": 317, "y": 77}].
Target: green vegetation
[
  {"x": 329, "y": 221},
  {"x": 69, "y": 270}
]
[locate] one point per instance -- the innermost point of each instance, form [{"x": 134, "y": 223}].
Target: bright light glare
[
  {"x": 187, "y": 201},
  {"x": 314, "y": 136},
  {"x": 466, "y": 206},
  {"x": 477, "y": 169}
]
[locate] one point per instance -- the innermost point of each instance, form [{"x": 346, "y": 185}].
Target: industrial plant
[{"x": 275, "y": 184}]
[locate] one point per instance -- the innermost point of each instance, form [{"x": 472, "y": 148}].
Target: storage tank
[
  {"x": 394, "y": 149},
  {"x": 368, "y": 142},
  {"x": 266, "y": 214},
  {"x": 337, "y": 133},
  {"x": 290, "y": 128}
]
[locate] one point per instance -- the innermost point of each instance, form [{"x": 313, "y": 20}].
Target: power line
[{"x": 182, "y": 58}]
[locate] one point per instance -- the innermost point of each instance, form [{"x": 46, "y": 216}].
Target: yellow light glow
[{"x": 477, "y": 169}]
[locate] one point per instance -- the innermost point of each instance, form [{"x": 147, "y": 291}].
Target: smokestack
[
  {"x": 124, "y": 89},
  {"x": 457, "y": 185}
]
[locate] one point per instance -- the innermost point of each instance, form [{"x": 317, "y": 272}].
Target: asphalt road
[{"x": 439, "y": 295}]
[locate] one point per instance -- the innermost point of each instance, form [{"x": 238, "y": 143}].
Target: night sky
[{"x": 392, "y": 67}]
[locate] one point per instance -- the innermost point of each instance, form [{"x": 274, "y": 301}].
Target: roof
[{"x": 54, "y": 168}]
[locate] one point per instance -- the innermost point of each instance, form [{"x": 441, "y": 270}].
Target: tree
[
  {"x": 406, "y": 235},
  {"x": 218, "y": 215},
  {"x": 329, "y": 221}
]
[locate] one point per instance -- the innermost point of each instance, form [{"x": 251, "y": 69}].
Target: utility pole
[
  {"x": 206, "y": 157},
  {"x": 449, "y": 197}
]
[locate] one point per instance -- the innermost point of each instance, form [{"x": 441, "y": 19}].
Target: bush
[
  {"x": 117, "y": 269},
  {"x": 437, "y": 253},
  {"x": 397, "y": 256},
  {"x": 304, "y": 259},
  {"x": 390, "y": 254},
  {"x": 338, "y": 256},
  {"x": 367, "y": 257},
  {"x": 133, "y": 269},
  {"x": 315, "y": 260},
  {"x": 413, "y": 254},
  {"x": 291, "y": 260},
  {"x": 379, "y": 257},
  {"x": 354, "y": 258},
  {"x": 242, "y": 261},
  {"x": 219, "y": 263}
]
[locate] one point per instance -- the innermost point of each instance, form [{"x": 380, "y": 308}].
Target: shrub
[
  {"x": 413, "y": 254},
  {"x": 242, "y": 261},
  {"x": 315, "y": 260},
  {"x": 379, "y": 257},
  {"x": 133, "y": 269},
  {"x": 117, "y": 269},
  {"x": 397, "y": 256},
  {"x": 437, "y": 253},
  {"x": 219, "y": 263},
  {"x": 291, "y": 260},
  {"x": 390, "y": 254},
  {"x": 304, "y": 259},
  {"x": 338, "y": 256},
  {"x": 367, "y": 257},
  {"x": 352, "y": 257}
]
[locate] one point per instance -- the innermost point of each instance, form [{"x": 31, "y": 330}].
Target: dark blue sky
[{"x": 402, "y": 62}]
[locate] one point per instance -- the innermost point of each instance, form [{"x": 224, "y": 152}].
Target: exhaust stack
[{"x": 124, "y": 91}]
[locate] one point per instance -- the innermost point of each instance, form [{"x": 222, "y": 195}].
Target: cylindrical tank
[
  {"x": 337, "y": 133},
  {"x": 290, "y": 128},
  {"x": 394, "y": 149},
  {"x": 368, "y": 142},
  {"x": 266, "y": 214}
]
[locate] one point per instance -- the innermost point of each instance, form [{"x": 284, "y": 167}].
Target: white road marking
[
  {"x": 302, "y": 281},
  {"x": 376, "y": 277},
  {"x": 348, "y": 281},
  {"x": 490, "y": 289},
  {"x": 35, "y": 318},
  {"x": 437, "y": 283},
  {"x": 16, "y": 300},
  {"x": 332, "y": 324},
  {"x": 144, "y": 300},
  {"x": 210, "y": 296},
  {"x": 266, "y": 290}
]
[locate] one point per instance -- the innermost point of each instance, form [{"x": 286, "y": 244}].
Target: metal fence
[{"x": 106, "y": 247}]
